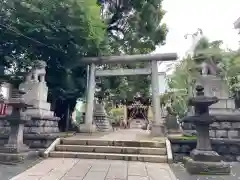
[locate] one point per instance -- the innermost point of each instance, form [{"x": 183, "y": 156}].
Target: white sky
[{"x": 214, "y": 17}]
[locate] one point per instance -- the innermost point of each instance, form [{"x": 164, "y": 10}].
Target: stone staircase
[
  {"x": 101, "y": 119},
  {"x": 145, "y": 151},
  {"x": 103, "y": 125}
]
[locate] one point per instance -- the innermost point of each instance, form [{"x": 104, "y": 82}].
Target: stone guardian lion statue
[{"x": 38, "y": 72}]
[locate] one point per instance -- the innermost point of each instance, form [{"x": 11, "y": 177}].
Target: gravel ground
[
  {"x": 181, "y": 174},
  {"x": 9, "y": 171}
]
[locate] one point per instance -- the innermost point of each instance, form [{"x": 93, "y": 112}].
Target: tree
[
  {"x": 231, "y": 63},
  {"x": 182, "y": 81},
  {"x": 181, "y": 84},
  {"x": 134, "y": 27},
  {"x": 59, "y": 32}
]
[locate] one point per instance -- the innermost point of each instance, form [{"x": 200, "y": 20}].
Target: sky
[{"x": 214, "y": 17}]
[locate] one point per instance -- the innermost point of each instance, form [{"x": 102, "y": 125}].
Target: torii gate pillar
[{"x": 157, "y": 124}]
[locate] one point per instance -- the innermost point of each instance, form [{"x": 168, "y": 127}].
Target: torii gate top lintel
[{"x": 130, "y": 58}]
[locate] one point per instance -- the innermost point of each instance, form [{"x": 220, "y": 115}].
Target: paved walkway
[
  {"x": 86, "y": 169},
  {"x": 121, "y": 134}
]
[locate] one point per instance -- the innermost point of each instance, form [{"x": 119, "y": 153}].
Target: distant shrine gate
[
  {"x": 157, "y": 124},
  {"x": 137, "y": 112}
]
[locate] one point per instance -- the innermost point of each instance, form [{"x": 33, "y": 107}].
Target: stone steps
[
  {"x": 124, "y": 143},
  {"x": 145, "y": 151},
  {"x": 112, "y": 149},
  {"x": 103, "y": 125},
  {"x": 110, "y": 156}
]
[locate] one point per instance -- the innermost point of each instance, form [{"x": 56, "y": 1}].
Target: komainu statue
[{"x": 38, "y": 72}]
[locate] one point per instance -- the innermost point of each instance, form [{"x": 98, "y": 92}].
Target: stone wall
[
  {"x": 33, "y": 140},
  {"x": 219, "y": 129},
  {"x": 38, "y": 133},
  {"x": 229, "y": 149}
]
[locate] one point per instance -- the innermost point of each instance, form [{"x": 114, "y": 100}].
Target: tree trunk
[{"x": 63, "y": 110}]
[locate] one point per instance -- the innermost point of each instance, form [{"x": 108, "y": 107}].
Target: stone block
[
  {"x": 236, "y": 125},
  {"x": 4, "y": 130},
  {"x": 234, "y": 149},
  {"x": 229, "y": 158},
  {"x": 233, "y": 134},
  {"x": 115, "y": 157},
  {"x": 210, "y": 168},
  {"x": 231, "y": 104},
  {"x": 40, "y": 113},
  {"x": 155, "y": 151},
  {"x": 225, "y": 125},
  {"x": 41, "y": 104},
  {"x": 98, "y": 142},
  {"x": 185, "y": 148},
  {"x": 215, "y": 125},
  {"x": 223, "y": 149},
  {"x": 238, "y": 158},
  {"x": 221, "y": 134},
  {"x": 132, "y": 150},
  {"x": 187, "y": 126},
  {"x": 108, "y": 150},
  {"x": 98, "y": 175},
  {"x": 155, "y": 159},
  {"x": 178, "y": 157},
  {"x": 189, "y": 132},
  {"x": 206, "y": 156},
  {"x": 176, "y": 148},
  {"x": 212, "y": 133}
]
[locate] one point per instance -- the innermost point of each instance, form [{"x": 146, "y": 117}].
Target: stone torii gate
[{"x": 157, "y": 127}]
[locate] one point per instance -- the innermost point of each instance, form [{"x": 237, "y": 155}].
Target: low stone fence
[
  {"x": 34, "y": 140},
  {"x": 229, "y": 149},
  {"x": 221, "y": 128}
]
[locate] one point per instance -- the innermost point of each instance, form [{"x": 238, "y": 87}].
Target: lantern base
[
  {"x": 206, "y": 168},
  {"x": 204, "y": 155}
]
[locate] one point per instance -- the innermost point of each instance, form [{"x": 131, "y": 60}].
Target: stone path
[
  {"x": 121, "y": 134},
  {"x": 9, "y": 171},
  {"x": 87, "y": 169},
  {"x": 127, "y": 134}
]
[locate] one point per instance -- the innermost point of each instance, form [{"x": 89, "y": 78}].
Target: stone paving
[
  {"x": 87, "y": 169},
  {"x": 121, "y": 134},
  {"x": 9, "y": 171}
]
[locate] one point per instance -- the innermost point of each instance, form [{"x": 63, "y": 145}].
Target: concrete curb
[
  {"x": 169, "y": 151},
  {"x": 51, "y": 147}
]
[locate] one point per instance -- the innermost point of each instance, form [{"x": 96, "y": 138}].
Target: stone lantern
[
  {"x": 15, "y": 150},
  {"x": 203, "y": 160}
]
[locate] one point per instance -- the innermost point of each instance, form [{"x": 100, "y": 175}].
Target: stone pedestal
[
  {"x": 157, "y": 129},
  {"x": 43, "y": 122},
  {"x": 43, "y": 119}
]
